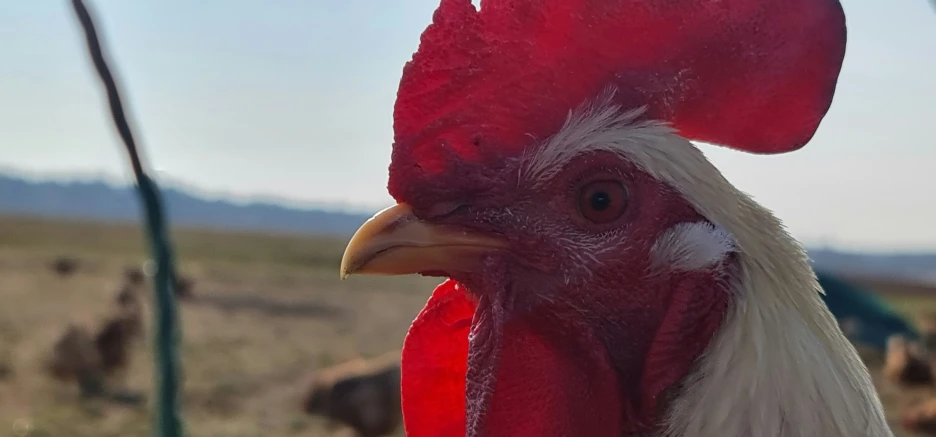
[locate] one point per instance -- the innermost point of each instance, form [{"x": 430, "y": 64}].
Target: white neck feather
[{"x": 779, "y": 366}]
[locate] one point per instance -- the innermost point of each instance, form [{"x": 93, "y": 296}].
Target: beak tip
[{"x": 345, "y": 271}]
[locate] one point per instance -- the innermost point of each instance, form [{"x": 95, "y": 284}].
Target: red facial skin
[{"x": 571, "y": 332}]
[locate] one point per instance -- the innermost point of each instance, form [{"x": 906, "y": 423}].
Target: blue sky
[{"x": 294, "y": 101}]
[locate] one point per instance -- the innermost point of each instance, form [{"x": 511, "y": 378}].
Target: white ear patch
[{"x": 691, "y": 246}]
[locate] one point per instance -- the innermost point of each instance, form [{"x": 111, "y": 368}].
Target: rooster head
[{"x": 542, "y": 162}]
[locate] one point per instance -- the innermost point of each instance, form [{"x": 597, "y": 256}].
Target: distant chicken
[
  {"x": 76, "y": 358},
  {"x": 65, "y": 266},
  {"x": 183, "y": 286},
  {"x": 361, "y": 394},
  {"x": 905, "y": 364},
  {"x": 605, "y": 279},
  {"x": 134, "y": 276},
  {"x": 119, "y": 332},
  {"x": 920, "y": 418},
  {"x": 93, "y": 360}
]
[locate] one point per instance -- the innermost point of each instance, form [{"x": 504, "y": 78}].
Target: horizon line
[{"x": 193, "y": 190}]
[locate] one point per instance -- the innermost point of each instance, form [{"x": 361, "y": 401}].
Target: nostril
[
  {"x": 447, "y": 209},
  {"x": 461, "y": 210}
]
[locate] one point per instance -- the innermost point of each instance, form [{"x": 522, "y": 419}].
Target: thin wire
[{"x": 167, "y": 335}]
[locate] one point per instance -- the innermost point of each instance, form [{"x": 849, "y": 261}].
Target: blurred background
[{"x": 269, "y": 129}]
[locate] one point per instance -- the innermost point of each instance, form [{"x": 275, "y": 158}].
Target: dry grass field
[{"x": 268, "y": 311}]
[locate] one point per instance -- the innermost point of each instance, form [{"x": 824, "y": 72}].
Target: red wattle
[
  {"x": 434, "y": 364},
  {"x": 521, "y": 381},
  {"x": 545, "y": 385}
]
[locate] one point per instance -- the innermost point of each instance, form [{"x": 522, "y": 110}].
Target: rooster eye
[{"x": 602, "y": 201}]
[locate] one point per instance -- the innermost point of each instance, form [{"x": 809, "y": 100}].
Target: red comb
[{"x": 753, "y": 75}]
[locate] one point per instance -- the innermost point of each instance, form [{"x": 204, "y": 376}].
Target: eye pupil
[{"x": 600, "y": 200}]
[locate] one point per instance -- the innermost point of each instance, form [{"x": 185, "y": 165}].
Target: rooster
[{"x": 604, "y": 279}]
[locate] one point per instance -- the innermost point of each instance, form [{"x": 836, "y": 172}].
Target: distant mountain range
[
  {"x": 103, "y": 201},
  {"x": 99, "y": 200},
  {"x": 916, "y": 266}
]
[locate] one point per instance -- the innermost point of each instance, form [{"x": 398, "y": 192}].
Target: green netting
[{"x": 168, "y": 422}]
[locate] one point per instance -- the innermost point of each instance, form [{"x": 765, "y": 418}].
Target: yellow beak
[{"x": 396, "y": 242}]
